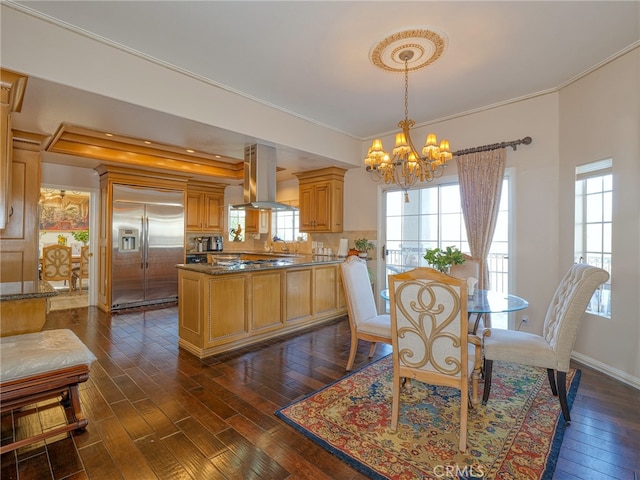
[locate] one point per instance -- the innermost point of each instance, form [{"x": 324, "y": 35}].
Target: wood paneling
[
  {"x": 299, "y": 294},
  {"x": 266, "y": 300}
]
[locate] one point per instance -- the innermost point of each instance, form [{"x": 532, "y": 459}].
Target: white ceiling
[{"x": 311, "y": 58}]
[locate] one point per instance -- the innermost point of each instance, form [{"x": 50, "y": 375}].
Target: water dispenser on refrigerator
[{"x": 128, "y": 240}]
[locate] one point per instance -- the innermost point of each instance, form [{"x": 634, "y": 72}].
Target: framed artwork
[{"x": 62, "y": 210}]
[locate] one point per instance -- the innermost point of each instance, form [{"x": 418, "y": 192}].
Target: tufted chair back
[{"x": 567, "y": 308}]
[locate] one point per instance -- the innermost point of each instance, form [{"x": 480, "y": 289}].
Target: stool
[{"x": 39, "y": 366}]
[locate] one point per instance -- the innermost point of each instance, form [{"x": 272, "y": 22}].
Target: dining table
[{"x": 483, "y": 302}]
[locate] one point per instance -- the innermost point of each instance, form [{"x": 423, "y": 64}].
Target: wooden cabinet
[
  {"x": 220, "y": 312},
  {"x": 322, "y": 200},
  {"x": 205, "y": 208},
  {"x": 19, "y": 238},
  {"x": 11, "y": 95}
]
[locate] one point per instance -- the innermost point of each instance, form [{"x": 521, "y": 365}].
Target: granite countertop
[
  {"x": 26, "y": 290},
  {"x": 240, "y": 266}
]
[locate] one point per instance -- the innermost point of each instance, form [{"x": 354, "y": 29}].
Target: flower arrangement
[
  {"x": 441, "y": 260},
  {"x": 364, "y": 245},
  {"x": 81, "y": 236},
  {"x": 62, "y": 240}
]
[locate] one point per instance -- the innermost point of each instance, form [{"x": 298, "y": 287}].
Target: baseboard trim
[{"x": 607, "y": 370}]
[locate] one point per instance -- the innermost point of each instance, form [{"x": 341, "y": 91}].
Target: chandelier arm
[{"x": 494, "y": 146}]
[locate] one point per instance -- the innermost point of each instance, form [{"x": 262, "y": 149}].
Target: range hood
[{"x": 260, "y": 180}]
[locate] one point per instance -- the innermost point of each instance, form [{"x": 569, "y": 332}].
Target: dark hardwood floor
[{"x": 156, "y": 411}]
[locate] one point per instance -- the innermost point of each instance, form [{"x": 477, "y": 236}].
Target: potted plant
[
  {"x": 81, "y": 236},
  {"x": 441, "y": 260},
  {"x": 363, "y": 246}
]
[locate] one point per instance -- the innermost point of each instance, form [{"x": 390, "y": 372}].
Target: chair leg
[
  {"x": 552, "y": 381},
  {"x": 352, "y": 352},
  {"x": 395, "y": 402},
  {"x": 562, "y": 395},
  {"x": 488, "y": 367},
  {"x": 372, "y": 349}
]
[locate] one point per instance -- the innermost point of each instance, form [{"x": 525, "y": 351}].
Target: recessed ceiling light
[
  {"x": 109, "y": 134},
  {"x": 147, "y": 142},
  {"x": 189, "y": 150},
  {"x": 218, "y": 156}
]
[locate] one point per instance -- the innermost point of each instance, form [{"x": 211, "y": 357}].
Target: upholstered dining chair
[
  {"x": 430, "y": 338},
  {"x": 81, "y": 271},
  {"x": 364, "y": 321},
  {"x": 56, "y": 264},
  {"x": 552, "y": 349},
  {"x": 470, "y": 269}
]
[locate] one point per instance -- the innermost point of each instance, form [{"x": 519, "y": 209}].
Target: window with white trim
[{"x": 593, "y": 222}]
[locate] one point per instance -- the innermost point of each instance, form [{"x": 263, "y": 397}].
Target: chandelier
[{"x": 406, "y": 166}]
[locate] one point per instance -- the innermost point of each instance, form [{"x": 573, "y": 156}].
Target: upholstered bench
[{"x": 40, "y": 366}]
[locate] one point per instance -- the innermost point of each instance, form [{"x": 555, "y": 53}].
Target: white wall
[
  {"x": 535, "y": 167},
  {"x": 596, "y": 117},
  {"x": 600, "y": 118}
]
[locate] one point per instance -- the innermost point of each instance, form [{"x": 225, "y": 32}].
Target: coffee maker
[{"x": 215, "y": 243}]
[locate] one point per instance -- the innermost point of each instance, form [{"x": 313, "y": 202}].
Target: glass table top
[{"x": 488, "y": 301}]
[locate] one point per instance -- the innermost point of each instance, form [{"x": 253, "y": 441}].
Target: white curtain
[{"x": 481, "y": 176}]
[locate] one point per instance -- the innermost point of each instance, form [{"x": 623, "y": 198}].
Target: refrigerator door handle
[
  {"x": 143, "y": 246},
  {"x": 146, "y": 244}
]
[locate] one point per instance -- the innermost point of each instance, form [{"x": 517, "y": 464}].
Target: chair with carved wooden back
[
  {"x": 56, "y": 264},
  {"x": 471, "y": 269},
  {"x": 430, "y": 339},
  {"x": 364, "y": 320},
  {"x": 81, "y": 271}
]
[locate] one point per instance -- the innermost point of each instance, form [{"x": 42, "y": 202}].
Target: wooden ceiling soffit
[
  {"x": 127, "y": 151},
  {"x": 33, "y": 142}
]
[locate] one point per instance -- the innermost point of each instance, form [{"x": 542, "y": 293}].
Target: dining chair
[
  {"x": 82, "y": 271},
  {"x": 471, "y": 269},
  {"x": 430, "y": 338},
  {"x": 551, "y": 350},
  {"x": 56, "y": 264},
  {"x": 364, "y": 321}
]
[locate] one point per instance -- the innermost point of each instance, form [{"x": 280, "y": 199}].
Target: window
[
  {"x": 593, "y": 219},
  {"x": 433, "y": 218},
  {"x": 285, "y": 224},
  {"x": 236, "y": 225}
]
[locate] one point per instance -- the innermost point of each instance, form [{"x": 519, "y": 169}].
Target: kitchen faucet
[{"x": 285, "y": 247}]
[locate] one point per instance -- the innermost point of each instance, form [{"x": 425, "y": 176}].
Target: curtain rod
[{"x": 494, "y": 146}]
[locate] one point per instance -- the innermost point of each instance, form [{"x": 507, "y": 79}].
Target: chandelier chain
[{"x": 406, "y": 89}]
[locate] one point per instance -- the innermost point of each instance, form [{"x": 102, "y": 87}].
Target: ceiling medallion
[{"x": 426, "y": 45}]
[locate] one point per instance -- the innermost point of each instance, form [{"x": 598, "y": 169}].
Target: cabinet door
[
  {"x": 306, "y": 208},
  {"x": 194, "y": 211},
  {"x": 326, "y": 293},
  {"x": 322, "y": 207},
  {"x": 19, "y": 260},
  {"x": 252, "y": 221},
  {"x": 213, "y": 204}
]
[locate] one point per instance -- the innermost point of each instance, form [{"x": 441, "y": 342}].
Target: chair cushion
[
  {"x": 30, "y": 354},
  {"x": 519, "y": 347},
  {"x": 380, "y": 325}
]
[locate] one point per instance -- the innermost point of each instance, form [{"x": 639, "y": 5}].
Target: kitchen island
[
  {"x": 235, "y": 303},
  {"x": 23, "y": 306}
]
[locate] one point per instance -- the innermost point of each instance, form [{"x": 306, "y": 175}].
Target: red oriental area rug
[{"x": 517, "y": 435}]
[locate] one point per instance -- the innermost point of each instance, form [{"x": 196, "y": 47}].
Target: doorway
[{"x": 65, "y": 218}]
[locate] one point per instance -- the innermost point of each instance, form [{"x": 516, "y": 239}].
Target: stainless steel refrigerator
[{"x": 148, "y": 241}]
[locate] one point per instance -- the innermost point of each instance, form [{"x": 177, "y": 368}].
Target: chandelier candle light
[{"x": 406, "y": 166}]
